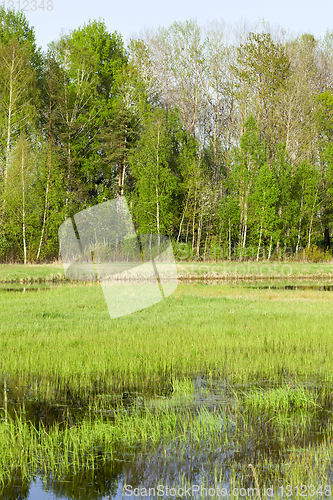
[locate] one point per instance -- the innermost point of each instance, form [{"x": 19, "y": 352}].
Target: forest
[{"x": 219, "y": 137}]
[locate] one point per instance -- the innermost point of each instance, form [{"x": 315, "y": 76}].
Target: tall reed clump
[
  {"x": 287, "y": 398},
  {"x": 60, "y": 449}
]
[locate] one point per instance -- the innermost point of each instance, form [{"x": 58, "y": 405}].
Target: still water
[{"x": 139, "y": 467}]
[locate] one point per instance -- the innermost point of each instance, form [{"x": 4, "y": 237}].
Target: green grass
[
  {"x": 64, "y": 448},
  {"x": 285, "y": 399},
  {"x": 165, "y": 430},
  {"x": 60, "y": 344},
  {"x": 31, "y": 272},
  {"x": 220, "y": 330}
]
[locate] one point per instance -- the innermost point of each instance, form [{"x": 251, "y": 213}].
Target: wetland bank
[{"x": 190, "y": 391}]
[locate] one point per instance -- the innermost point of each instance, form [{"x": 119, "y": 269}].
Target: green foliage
[
  {"x": 15, "y": 26},
  {"x": 155, "y": 169},
  {"x": 264, "y": 63},
  {"x": 213, "y": 144},
  {"x": 325, "y": 113},
  {"x": 315, "y": 254}
]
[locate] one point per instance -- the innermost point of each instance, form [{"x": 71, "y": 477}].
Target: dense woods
[{"x": 220, "y": 138}]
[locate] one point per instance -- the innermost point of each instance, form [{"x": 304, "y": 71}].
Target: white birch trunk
[
  {"x": 23, "y": 206},
  {"x": 45, "y": 205},
  {"x": 300, "y": 221},
  {"x": 311, "y": 220},
  {"x": 157, "y": 193},
  {"x": 260, "y": 234}
]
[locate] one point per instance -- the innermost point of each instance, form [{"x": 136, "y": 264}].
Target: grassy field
[
  {"x": 31, "y": 272},
  {"x": 214, "y": 329},
  {"x": 265, "y": 357}
]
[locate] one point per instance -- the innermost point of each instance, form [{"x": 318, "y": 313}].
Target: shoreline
[{"x": 187, "y": 271}]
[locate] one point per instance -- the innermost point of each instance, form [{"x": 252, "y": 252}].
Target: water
[
  {"x": 22, "y": 288},
  {"x": 38, "y": 489},
  {"x": 247, "y": 284},
  {"x": 317, "y": 288},
  {"x": 141, "y": 467}
]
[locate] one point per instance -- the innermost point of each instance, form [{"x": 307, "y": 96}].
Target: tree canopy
[{"x": 221, "y": 140}]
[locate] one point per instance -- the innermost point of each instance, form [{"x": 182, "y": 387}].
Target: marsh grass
[
  {"x": 171, "y": 431},
  {"x": 286, "y": 399},
  {"x": 133, "y": 377},
  {"x": 63, "y": 344},
  {"x": 61, "y": 449},
  {"x": 287, "y": 412},
  {"x": 287, "y": 269}
]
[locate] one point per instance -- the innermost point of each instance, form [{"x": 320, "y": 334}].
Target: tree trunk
[
  {"x": 300, "y": 221},
  {"x": 270, "y": 248},
  {"x": 23, "y": 206},
  {"x": 10, "y": 111},
  {"x": 182, "y": 220},
  {"x": 240, "y": 230},
  {"x": 245, "y": 226},
  {"x": 123, "y": 180},
  {"x": 46, "y": 205},
  {"x": 120, "y": 176},
  {"x": 187, "y": 230},
  {"x": 311, "y": 220},
  {"x": 278, "y": 243},
  {"x": 158, "y": 220},
  {"x": 327, "y": 240},
  {"x": 260, "y": 234},
  {"x": 205, "y": 248},
  {"x": 246, "y": 199},
  {"x": 157, "y": 194},
  {"x": 207, "y": 236},
  {"x": 229, "y": 239},
  {"x": 193, "y": 221},
  {"x": 199, "y": 235},
  {"x": 68, "y": 176}
]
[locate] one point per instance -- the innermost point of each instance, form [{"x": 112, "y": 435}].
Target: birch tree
[
  {"x": 17, "y": 85},
  {"x": 22, "y": 209},
  {"x": 155, "y": 171},
  {"x": 74, "y": 86},
  {"x": 265, "y": 67},
  {"x": 178, "y": 54}
]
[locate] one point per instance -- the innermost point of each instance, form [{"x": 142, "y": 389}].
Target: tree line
[{"x": 220, "y": 138}]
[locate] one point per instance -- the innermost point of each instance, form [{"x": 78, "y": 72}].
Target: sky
[{"x": 129, "y": 17}]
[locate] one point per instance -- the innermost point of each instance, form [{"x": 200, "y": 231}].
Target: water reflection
[
  {"x": 183, "y": 463},
  {"x": 318, "y": 288},
  {"x": 249, "y": 284},
  {"x": 15, "y": 287}
]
